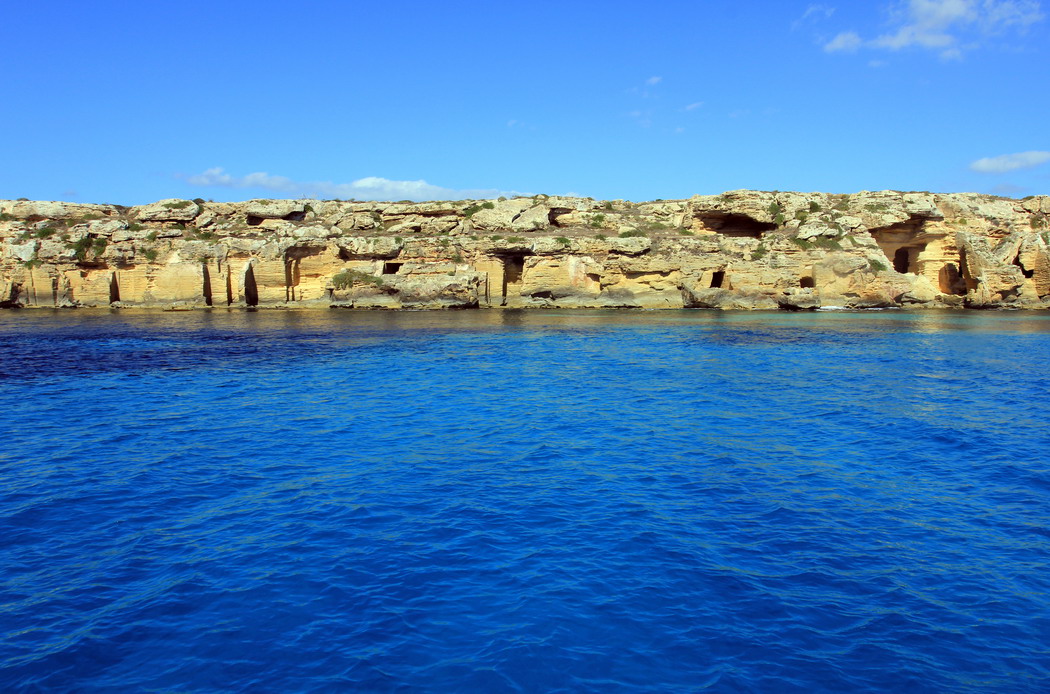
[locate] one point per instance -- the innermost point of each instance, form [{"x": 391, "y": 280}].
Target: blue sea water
[{"x": 515, "y": 501}]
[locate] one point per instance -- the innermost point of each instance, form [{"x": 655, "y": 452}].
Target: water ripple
[{"x": 548, "y": 501}]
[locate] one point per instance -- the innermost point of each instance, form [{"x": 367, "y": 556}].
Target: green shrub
[
  {"x": 631, "y": 233},
  {"x": 802, "y": 216},
  {"x": 608, "y": 205},
  {"x": 1037, "y": 221},
  {"x": 562, "y": 240},
  {"x": 471, "y": 210},
  {"x": 457, "y": 257},
  {"x": 135, "y": 226},
  {"x": 877, "y": 265},
  {"x": 31, "y": 263},
  {"x": 80, "y": 248},
  {"x": 152, "y": 236},
  {"x": 824, "y": 242},
  {"x": 99, "y": 246},
  {"x": 5, "y": 217},
  {"x": 774, "y": 209},
  {"x": 842, "y": 205},
  {"x": 348, "y": 278},
  {"x": 489, "y": 205},
  {"x": 597, "y": 220},
  {"x": 516, "y": 239},
  {"x": 178, "y": 205},
  {"x": 685, "y": 232},
  {"x": 199, "y": 201},
  {"x": 150, "y": 253},
  {"x": 814, "y": 206},
  {"x": 759, "y": 253},
  {"x": 600, "y": 237},
  {"x": 45, "y": 232},
  {"x": 779, "y": 219}
]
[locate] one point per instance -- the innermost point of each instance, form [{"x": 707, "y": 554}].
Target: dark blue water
[{"x": 510, "y": 501}]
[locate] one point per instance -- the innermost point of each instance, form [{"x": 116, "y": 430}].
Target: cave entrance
[
  {"x": 900, "y": 260},
  {"x": 950, "y": 280},
  {"x": 391, "y": 268},
  {"x": 251, "y": 289},
  {"x": 114, "y": 289},
  {"x": 513, "y": 269},
  {"x": 806, "y": 283},
  {"x": 1029, "y": 274},
  {"x": 718, "y": 277},
  {"x": 735, "y": 225}
]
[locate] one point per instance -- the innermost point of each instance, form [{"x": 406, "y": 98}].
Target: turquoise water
[{"x": 525, "y": 501}]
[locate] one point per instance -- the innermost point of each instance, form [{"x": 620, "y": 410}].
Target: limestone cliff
[{"x": 739, "y": 250}]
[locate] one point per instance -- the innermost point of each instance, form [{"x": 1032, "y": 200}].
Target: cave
[
  {"x": 735, "y": 225},
  {"x": 900, "y": 260},
  {"x": 717, "y": 278},
  {"x": 251, "y": 290},
  {"x": 555, "y": 212},
  {"x": 391, "y": 268},
  {"x": 229, "y": 286},
  {"x": 806, "y": 283},
  {"x": 114, "y": 289},
  {"x": 513, "y": 268},
  {"x": 950, "y": 280},
  {"x": 253, "y": 221},
  {"x": 1029, "y": 274}
]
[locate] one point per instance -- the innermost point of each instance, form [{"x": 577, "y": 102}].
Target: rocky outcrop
[{"x": 737, "y": 250}]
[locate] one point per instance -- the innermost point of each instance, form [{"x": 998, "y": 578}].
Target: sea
[{"x": 524, "y": 501}]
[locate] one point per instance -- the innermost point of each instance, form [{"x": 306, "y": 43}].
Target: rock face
[{"x": 738, "y": 250}]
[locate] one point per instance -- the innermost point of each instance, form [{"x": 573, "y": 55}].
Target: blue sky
[{"x": 129, "y": 102}]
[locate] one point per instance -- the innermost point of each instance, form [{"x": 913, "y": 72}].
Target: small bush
[
  {"x": 80, "y": 248},
  {"x": 489, "y": 205},
  {"x": 495, "y": 237},
  {"x": 597, "y": 221},
  {"x": 135, "y": 226},
  {"x": 178, "y": 205},
  {"x": 348, "y": 278},
  {"x": 150, "y": 254},
  {"x": 608, "y": 205},
  {"x": 199, "y": 201},
  {"x": 779, "y": 219},
  {"x": 759, "y": 253},
  {"x": 516, "y": 239},
  {"x": 774, "y": 209},
  {"x": 802, "y": 216},
  {"x": 600, "y": 237},
  {"x": 562, "y": 240},
  {"x": 842, "y": 205},
  {"x": 631, "y": 233},
  {"x": 814, "y": 206},
  {"x": 31, "y": 263},
  {"x": 99, "y": 246},
  {"x": 685, "y": 232},
  {"x": 45, "y": 232},
  {"x": 471, "y": 210},
  {"x": 5, "y": 217},
  {"x": 1037, "y": 221},
  {"x": 152, "y": 236},
  {"x": 877, "y": 265},
  {"x": 457, "y": 257}
]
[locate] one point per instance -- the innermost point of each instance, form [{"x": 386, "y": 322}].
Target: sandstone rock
[
  {"x": 274, "y": 209},
  {"x": 170, "y": 210}
]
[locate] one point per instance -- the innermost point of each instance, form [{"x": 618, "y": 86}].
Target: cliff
[{"x": 738, "y": 250}]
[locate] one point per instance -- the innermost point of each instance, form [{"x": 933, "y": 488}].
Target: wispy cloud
[
  {"x": 654, "y": 80},
  {"x": 368, "y": 188},
  {"x": 693, "y": 106},
  {"x": 946, "y": 26},
  {"x": 1010, "y": 162},
  {"x": 813, "y": 13}
]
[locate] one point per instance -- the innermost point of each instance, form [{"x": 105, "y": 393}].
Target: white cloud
[
  {"x": 693, "y": 106},
  {"x": 368, "y": 188},
  {"x": 654, "y": 80},
  {"x": 945, "y": 26},
  {"x": 846, "y": 42},
  {"x": 1010, "y": 162}
]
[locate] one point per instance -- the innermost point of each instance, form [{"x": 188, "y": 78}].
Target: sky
[{"x": 131, "y": 102}]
